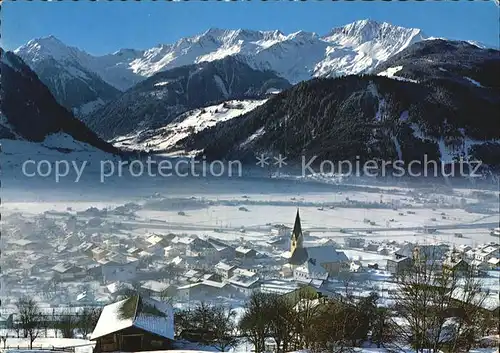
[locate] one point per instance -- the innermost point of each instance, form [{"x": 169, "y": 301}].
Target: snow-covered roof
[
  {"x": 155, "y": 286},
  {"x": 243, "y": 272},
  {"x": 326, "y": 254},
  {"x": 154, "y": 239},
  {"x": 243, "y": 250},
  {"x": 182, "y": 240},
  {"x": 116, "y": 286},
  {"x": 133, "y": 250},
  {"x": 188, "y": 286},
  {"x": 490, "y": 249},
  {"x": 494, "y": 261},
  {"x": 313, "y": 270},
  {"x": 98, "y": 251},
  {"x": 214, "y": 284},
  {"x": 224, "y": 267},
  {"x": 112, "y": 320},
  {"x": 63, "y": 267},
  {"x": 243, "y": 281},
  {"x": 191, "y": 273},
  {"x": 177, "y": 260}
]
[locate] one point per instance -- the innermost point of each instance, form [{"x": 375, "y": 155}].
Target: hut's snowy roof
[{"x": 112, "y": 318}]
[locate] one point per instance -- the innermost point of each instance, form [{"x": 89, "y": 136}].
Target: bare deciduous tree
[
  {"x": 87, "y": 320},
  {"x": 30, "y": 318},
  {"x": 437, "y": 307},
  {"x": 67, "y": 325}
]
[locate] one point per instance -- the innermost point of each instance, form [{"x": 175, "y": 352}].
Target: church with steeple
[{"x": 316, "y": 262}]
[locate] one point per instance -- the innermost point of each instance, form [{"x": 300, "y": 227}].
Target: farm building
[
  {"x": 397, "y": 266},
  {"x": 134, "y": 324}
]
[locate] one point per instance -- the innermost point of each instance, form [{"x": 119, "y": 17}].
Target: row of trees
[{"x": 30, "y": 322}]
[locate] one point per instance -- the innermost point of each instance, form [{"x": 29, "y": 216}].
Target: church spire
[{"x": 297, "y": 238}]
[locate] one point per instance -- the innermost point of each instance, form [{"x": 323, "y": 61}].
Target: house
[
  {"x": 356, "y": 243},
  {"x": 98, "y": 254},
  {"x": 117, "y": 287},
  {"x": 156, "y": 244},
  {"x": 72, "y": 239},
  {"x": 118, "y": 270},
  {"x": 68, "y": 272},
  {"x": 356, "y": 267},
  {"x": 193, "y": 275},
  {"x": 314, "y": 261},
  {"x": 171, "y": 252},
  {"x": 224, "y": 251},
  {"x": 202, "y": 290},
  {"x": 371, "y": 247},
  {"x": 463, "y": 248},
  {"x": 470, "y": 254},
  {"x": 278, "y": 286},
  {"x": 7, "y": 322},
  {"x": 199, "y": 247},
  {"x": 399, "y": 265},
  {"x": 456, "y": 265},
  {"x": 86, "y": 248},
  {"x": 405, "y": 251},
  {"x": 153, "y": 288},
  {"x": 244, "y": 284},
  {"x": 134, "y": 251},
  {"x": 307, "y": 294},
  {"x": 484, "y": 254},
  {"x": 245, "y": 253},
  {"x": 432, "y": 252},
  {"x": 310, "y": 270},
  {"x": 281, "y": 230},
  {"x": 23, "y": 244},
  {"x": 134, "y": 324},
  {"x": 224, "y": 270},
  {"x": 493, "y": 263}
]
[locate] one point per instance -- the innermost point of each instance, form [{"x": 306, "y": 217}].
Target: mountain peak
[
  {"x": 214, "y": 32},
  {"x": 45, "y": 47},
  {"x": 367, "y": 30}
]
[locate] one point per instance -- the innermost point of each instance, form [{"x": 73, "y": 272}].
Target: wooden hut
[{"x": 134, "y": 324}]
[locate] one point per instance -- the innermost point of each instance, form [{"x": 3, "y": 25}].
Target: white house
[
  {"x": 308, "y": 271},
  {"x": 203, "y": 290},
  {"x": 244, "y": 281},
  {"x": 224, "y": 270},
  {"x": 154, "y": 288},
  {"x": 113, "y": 271},
  {"x": 98, "y": 254},
  {"x": 66, "y": 271}
]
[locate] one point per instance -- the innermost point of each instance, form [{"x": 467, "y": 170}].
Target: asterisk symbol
[
  {"x": 262, "y": 161},
  {"x": 280, "y": 161}
]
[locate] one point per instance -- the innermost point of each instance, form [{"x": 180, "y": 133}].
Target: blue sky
[{"x": 104, "y": 27}]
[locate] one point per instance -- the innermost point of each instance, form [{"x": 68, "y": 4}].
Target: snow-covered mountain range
[
  {"x": 436, "y": 98},
  {"x": 357, "y": 47}
]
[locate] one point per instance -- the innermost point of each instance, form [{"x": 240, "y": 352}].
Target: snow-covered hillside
[
  {"x": 30, "y": 112},
  {"x": 188, "y": 123},
  {"x": 55, "y": 147},
  {"x": 354, "y": 48}
]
